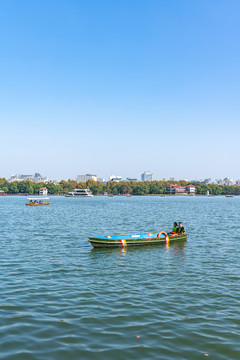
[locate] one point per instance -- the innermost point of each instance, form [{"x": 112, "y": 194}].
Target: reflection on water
[
  {"x": 62, "y": 299},
  {"x": 177, "y": 246},
  {"x": 123, "y": 251}
]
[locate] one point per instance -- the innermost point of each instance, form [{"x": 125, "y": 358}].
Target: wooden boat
[
  {"x": 38, "y": 201},
  {"x": 135, "y": 240}
]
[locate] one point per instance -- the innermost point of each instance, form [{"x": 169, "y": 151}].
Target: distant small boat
[
  {"x": 128, "y": 195},
  {"x": 135, "y": 240},
  {"x": 229, "y": 196},
  {"x": 38, "y": 201},
  {"x": 110, "y": 195}
]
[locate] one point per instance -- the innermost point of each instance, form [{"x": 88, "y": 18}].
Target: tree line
[{"x": 111, "y": 187}]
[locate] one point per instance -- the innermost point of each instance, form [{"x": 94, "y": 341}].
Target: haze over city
[{"x": 119, "y": 88}]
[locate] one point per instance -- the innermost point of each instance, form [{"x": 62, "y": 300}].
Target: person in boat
[
  {"x": 175, "y": 228},
  {"x": 181, "y": 229}
]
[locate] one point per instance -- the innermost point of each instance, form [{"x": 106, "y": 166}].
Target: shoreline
[{"x": 125, "y": 195}]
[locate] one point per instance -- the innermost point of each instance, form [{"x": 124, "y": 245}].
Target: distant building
[
  {"x": 2, "y": 193},
  {"x": 40, "y": 179},
  {"x": 85, "y": 178},
  {"x": 115, "y": 178},
  {"x": 20, "y": 177},
  {"x": 228, "y": 181},
  {"x": 54, "y": 182},
  {"x": 238, "y": 182},
  {"x": 132, "y": 179},
  {"x": 147, "y": 176},
  {"x": 37, "y": 178},
  {"x": 207, "y": 181},
  {"x": 198, "y": 181},
  {"x": 175, "y": 189},
  {"x": 43, "y": 191},
  {"x": 190, "y": 189},
  {"x": 101, "y": 180},
  {"x": 178, "y": 189}
]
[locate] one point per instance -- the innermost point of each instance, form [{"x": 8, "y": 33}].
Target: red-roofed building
[
  {"x": 178, "y": 189},
  {"x": 190, "y": 189},
  {"x": 43, "y": 191}
]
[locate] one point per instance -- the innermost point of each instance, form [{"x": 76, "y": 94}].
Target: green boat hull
[{"x": 109, "y": 243}]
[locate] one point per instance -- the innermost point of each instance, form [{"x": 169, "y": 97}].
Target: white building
[
  {"x": 191, "y": 189},
  {"x": 115, "y": 178},
  {"x": 40, "y": 179},
  {"x": 43, "y": 191},
  {"x": 147, "y": 176},
  {"x": 85, "y": 178},
  {"x": 37, "y": 178},
  {"x": 228, "y": 181},
  {"x": 20, "y": 177}
]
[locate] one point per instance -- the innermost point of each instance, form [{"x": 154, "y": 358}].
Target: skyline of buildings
[
  {"x": 34, "y": 178},
  {"x": 145, "y": 176},
  {"x": 37, "y": 178},
  {"x": 85, "y": 178}
]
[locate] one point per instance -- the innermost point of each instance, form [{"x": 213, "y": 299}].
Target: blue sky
[{"x": 119, "y": 87}]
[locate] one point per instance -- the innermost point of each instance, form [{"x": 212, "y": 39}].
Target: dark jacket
[{"x": 181, "y": 230}]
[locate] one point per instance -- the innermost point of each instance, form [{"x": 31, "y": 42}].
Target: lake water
[{"x": 61, "y": 299}]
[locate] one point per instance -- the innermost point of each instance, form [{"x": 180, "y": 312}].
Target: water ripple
[{"x": 61, "y": 299}]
